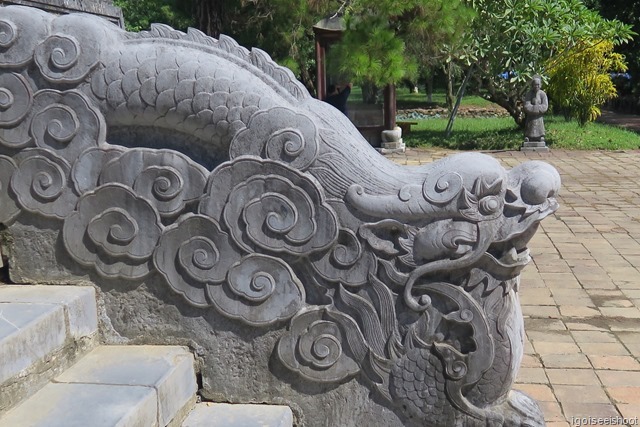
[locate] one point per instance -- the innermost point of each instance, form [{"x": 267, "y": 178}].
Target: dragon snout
[{"x": 539, "y": 181}]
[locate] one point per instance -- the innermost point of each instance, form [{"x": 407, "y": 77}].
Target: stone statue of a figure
[{"x": 535, "y": 105}]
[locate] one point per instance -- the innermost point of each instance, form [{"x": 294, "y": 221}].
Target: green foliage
[
  {"x": 386, "y": 41},
  {"x": 140, "y": 14},
  {"x": 522, "y": 36},
  {"x": 629, "y": 13},
  {"x": 579, "y": 79},
  {"x": 370, "y": 52}
]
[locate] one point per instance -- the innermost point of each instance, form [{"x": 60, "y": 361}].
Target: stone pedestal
[
  {"x": 392, "y": 141},
  {"x": 534, "y": 146}
]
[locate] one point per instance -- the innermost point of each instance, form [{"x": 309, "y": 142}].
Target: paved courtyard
[{"x": 581, "y": 294}]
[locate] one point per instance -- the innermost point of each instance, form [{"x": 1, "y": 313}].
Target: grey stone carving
[
  {"x": 195, "y": 165},
  {"x": 536, "y": 105}
]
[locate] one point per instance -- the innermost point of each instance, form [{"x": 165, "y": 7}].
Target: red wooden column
[
  {"x": 327, "y": 31},
  {"x": 390, "y": 107},
  {"x": 321, "y": 70}
]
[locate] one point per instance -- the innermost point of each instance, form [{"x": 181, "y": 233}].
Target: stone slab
[
  {"x": 539, "y": 149},
  {"x": 229, "y": 415},
  {"x": 169, "y": 370},
  {"x": 79, "y": 303},
  {"x": 28, "y": 332},
  {"x": 83, "y": 405}
]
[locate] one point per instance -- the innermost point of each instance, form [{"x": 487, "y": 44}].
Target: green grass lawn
[
  {"x": 407, "y": 99},
  {"x": 502, "y": 134}
]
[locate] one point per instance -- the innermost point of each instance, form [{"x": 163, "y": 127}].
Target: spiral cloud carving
[
  {"x": 260, "y": 290},
  {"x": 42, "y": 183},
  {"x": 269, "y": 206},
  {"x": 167, "y": 178},
  {"x": 313, "y": 347},
  {"x": 114, "y": 231},
  {"x": 193, "y": 255},
  {"x": 278, "y": 134},
  {"x": 66, "y": 123}
]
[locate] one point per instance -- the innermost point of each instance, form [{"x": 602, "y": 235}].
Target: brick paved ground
[{"x": 581, "y": 294}]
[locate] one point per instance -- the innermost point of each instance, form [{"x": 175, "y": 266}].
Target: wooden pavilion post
[{"x": 390, "y": 107}]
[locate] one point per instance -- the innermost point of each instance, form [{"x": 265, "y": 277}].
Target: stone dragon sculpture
[{"x": 195, "y": 159}]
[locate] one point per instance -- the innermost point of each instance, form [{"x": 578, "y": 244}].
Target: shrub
[{"x": 580, "y": 80}]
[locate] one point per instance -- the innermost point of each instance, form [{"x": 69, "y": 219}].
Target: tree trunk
[
  {"x": 451, "y": 98},
  {"x": 369, "y": 93},
  {"x": 513, "y": 105},
  {"x": 209, "y": 16},
  {"x": 429, "y": 88}
]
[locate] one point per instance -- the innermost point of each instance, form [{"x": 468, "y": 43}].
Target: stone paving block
[
  {"x": 603, "y": 349},
  {"x": 532, "y": 324},
  {"x": 568, "y": 394},
  {"x": 551, "y": 336},
  {"x": 579, "y": 311},
  {"x": 560, "y": 280},
  {"x": 619, "y": 363},
  {"x": 79, "y": 303},
  {"x": 630, "y": 411},
  {"x": 593, "y": 337},
  {"x": 228, "y": 415},
  {"x": 630, "y": 395},
  {"x": 619, "y": 378},
  {"x": 545, "y": 312},
  {"x": 536, "y": 296},
  {"x": 632, "y": 293},
  {"x": 169, "y": 370},
  {"x": 634, "y": 349},
  {"x": 624, "y": 327},
  {"x": 28, "y": 332},
  {"x": 552, "y": 412},
  {"x": 575, "y": 411},
  {"x": 630, "y": 337},
  {"x": 544, "y": 348},
  {"x": 539, "y": 392},
  {"x": 532, "y": 376},
  {"x": 585, "y": 325},
  {"x": 84, "y": 405},
  {"x": 572, "y": 377},
  {"x": 628, "y": 313},
  {"x": 569, "y": 361},
  {"x": 530, "y": 361}
]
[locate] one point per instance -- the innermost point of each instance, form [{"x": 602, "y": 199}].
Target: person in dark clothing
[{"x": 338, "y": 98}]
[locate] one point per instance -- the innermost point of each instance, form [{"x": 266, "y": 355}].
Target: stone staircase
[{"x": 54, "y": 373}]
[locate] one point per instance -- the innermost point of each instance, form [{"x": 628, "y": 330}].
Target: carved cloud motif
[
  {"x": 114, "y": 231},
  {"x": 278, "y": 134},
  {"x": 66, "y": 122},
  {"x": 42, "y": 183},
  {"x": 269, "y": 206},
  {"x": 72, "y": 49},
  {"x": 193, "y": 255},
  {"x": 16, "y": 99},
  {"x": 260, "y": 290},
  {"x": 20, "y": 34},
  {"x": 167, "y": 178},
  {"x": 313, "y": 347}
]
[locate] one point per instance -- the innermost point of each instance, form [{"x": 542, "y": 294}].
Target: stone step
[
  {"x": 232, "y": 415},
  {"x": 43, "y": 329},
  {"x": 114, "y": 386}
]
